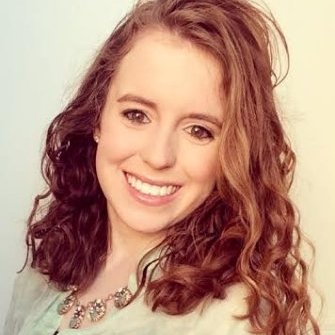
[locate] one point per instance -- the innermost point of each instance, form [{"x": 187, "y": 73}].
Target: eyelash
[
  {"x": 132, "y": 115},
  {"x": 208, "y": 134}
]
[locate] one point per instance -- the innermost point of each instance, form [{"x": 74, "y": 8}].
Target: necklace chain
[{"x": 96, "y": 309}]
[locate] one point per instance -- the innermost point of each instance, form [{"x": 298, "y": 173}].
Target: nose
[{"x": 159, "y": 151}]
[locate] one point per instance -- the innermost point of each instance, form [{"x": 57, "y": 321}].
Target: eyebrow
[
  {"x": 138, "y": 99},
  {"x": 150, "y": 104}
]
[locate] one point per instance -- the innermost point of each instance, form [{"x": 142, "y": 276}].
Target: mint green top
[{"x": 33, "y": 311}]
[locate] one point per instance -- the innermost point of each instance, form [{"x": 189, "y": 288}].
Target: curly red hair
[{"x": 246, "y": 231}]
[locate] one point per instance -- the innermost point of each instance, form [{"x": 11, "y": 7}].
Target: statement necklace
[{"x": 96, "y": 309}]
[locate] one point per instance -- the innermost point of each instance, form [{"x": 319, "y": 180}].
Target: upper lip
[{"x": 151, "y": 181}]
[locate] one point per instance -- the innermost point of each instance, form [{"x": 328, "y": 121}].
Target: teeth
[
  {"x": 150, "y": 189},
  {"x": 163, "y": 190}
]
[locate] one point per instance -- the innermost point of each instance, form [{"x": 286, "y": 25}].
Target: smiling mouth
[{"x": 149, "y": 189}]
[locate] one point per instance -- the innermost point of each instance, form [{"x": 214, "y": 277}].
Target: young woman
[{"x": 167, "y": 209}]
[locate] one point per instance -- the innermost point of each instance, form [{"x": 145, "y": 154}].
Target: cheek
[
  {"x": 201, "y": 164},
  {"x": 116, "y": 144}
]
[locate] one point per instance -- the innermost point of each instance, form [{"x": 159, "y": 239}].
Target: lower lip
[{"x": 148, "y": 199}]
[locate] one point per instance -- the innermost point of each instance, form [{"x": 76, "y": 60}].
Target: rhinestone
[
  {"x": 66, "y": 304},
  {"x": 97, "y": 309},
  {"x": 77, "y": 318},
  {"x": 122, "y": 297}
]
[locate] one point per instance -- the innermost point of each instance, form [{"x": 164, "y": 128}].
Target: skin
[{"x": 161, "y": 142}]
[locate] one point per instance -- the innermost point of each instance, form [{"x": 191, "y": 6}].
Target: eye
[
  {"x": 135, "y": 116},
  {"x": 200, "y": 133}
]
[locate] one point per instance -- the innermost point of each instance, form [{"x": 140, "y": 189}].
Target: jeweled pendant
[
  {"x": 122, "y": 297},
  {"x": 78, "y": 316},
  {"x": 66, "y": 304},
  {"x": 97, "y": 309}
]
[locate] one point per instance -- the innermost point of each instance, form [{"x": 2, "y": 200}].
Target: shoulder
[
  {"x": 218, "y": 316},
  {"x": 30, "y": 284},
  {"x": 30, "y": 288}
]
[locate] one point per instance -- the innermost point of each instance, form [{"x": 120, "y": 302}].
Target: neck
[{"x": 128, "y": 246}]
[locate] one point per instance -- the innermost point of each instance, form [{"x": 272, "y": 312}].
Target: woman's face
[{"x": 159, "y": 134}]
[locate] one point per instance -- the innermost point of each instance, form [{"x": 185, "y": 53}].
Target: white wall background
[{"x": 45, "y": 48}]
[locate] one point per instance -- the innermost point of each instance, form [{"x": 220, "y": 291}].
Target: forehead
[{"x": 170, "y": 71}]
